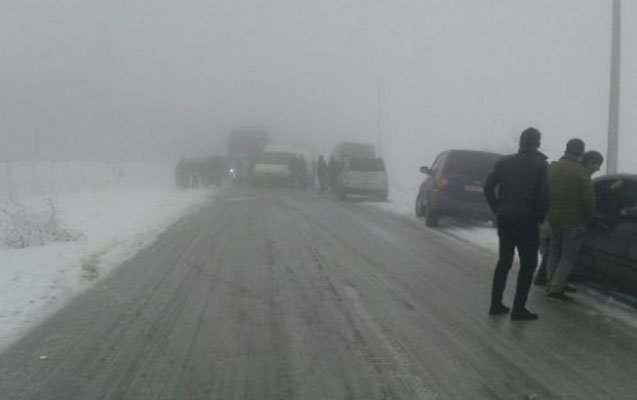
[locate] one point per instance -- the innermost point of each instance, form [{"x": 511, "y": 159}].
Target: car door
[
  {"x": 627, "y": 274},
  {"x": 428, "y": 185},
  {"x": 609, "y": 237}
]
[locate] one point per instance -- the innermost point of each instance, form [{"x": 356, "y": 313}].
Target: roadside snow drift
[{"x": 100, "y": 228}]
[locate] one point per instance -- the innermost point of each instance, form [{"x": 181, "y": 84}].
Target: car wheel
[
  {"x": 431, "y": 217},
  {"x": 419, "y": 210}
]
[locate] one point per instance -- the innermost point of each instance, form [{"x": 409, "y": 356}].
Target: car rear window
[
  {"x": 470, "y": 163},
  {"x": 614, "y": 195},
  {"x": 277, "y": 158},
  {"x": 367, "y": 165}
]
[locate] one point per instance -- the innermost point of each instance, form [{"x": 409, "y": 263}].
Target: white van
[
  {"x": 273, "y": 169},
  {"x": 363, "y": 176}
]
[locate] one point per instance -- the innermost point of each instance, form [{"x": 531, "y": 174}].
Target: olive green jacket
[{"x": 572, "y": 198}]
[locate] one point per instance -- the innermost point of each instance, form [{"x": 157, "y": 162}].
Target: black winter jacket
[{"x": 518, "y": 186}]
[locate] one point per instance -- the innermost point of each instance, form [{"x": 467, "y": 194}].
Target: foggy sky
[{"x": 129, "y": 80}]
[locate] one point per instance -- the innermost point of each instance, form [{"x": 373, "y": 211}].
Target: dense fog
[{"x": 122, "y": 81}]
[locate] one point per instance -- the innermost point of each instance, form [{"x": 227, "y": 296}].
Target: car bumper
[
  {"x": 366, "y": 191},
  {"x": 461, "y": 208},
  {"x": 272, "y": 179}
]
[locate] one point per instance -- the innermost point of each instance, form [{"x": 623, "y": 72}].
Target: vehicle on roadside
[
  {"x": 609, "y": 253},
  {"x": 273, "y": 168},
  {"x": 345, "y": 150},
  {"x": 364, "y": 177},
  {"x": 454, "y": 186}
]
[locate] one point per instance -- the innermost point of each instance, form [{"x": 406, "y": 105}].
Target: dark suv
[
  {"x": 609, "y": 254},
  {"x": 454, "y": 186}
]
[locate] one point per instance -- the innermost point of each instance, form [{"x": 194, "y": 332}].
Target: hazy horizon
[{"x": 127, "y": 81}]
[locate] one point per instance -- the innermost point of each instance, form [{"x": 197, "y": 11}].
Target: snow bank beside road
[
  {"x": 402, "y": 199},
  {"x": 115, "y": 223}
]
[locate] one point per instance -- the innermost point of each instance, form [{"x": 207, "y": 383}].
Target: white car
[
  {"x": 273, "y": 168},
  {"x": 363, "y": 176}
]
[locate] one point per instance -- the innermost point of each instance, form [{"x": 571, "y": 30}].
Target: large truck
[{"x": 244, "y": 149}]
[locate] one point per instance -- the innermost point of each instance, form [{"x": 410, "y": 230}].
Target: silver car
[{"x": 363, "y": 176}]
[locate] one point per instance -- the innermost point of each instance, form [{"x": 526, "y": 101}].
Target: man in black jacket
[{"x": 517, "y": 191}]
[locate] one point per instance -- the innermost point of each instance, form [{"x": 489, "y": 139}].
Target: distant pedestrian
[
  {"x": 321, "y": 170},
  {"x": 572, "y": 205},
  {"x": 592, "y": 161},
  {"x": 302, "y": 183},
  {"x": 332, "y": 172},
  {"x": 517, "y": 191}
]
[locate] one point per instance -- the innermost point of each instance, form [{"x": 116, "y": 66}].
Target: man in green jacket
[
  {"x": 572, "y": 203},
  {"x": 592, "y": 161}
]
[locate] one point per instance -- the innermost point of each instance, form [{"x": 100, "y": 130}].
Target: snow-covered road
[{"x": 277, "y": 294}]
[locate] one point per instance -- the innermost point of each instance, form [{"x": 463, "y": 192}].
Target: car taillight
[{"x": 442, "y": 184}]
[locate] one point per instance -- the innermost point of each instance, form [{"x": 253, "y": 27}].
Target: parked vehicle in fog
[
  {"x": 363, "y": 176},
  {"x": 609, "y": 253},
  {"x": 454, "y": 186},
  {"x": 273, "y": 168},
  {"x": 345, "y": 150}
]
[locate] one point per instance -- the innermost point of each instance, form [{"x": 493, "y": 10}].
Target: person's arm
[
  {"x": 543, "y": 193},
  {"x": 588, "y": 197},
  {"x": 489, "y": 189}
]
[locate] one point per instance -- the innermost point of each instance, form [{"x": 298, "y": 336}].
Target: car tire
[
  {"x": 419, "y": 210},
  {"x": 342, "y": 195},
  {"x": 431, "y": 217}
]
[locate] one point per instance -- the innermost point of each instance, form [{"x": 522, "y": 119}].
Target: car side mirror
[
  {"x": 629, "y": 213},
  {"x": 425, "y": 170}
]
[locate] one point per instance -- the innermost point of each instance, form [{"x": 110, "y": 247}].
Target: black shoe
[
  {"x": 570, "y": 289},
  {"x": 523, "y": 315},
  {"x": 560, "y": 297},
  {"x": 499, "y": 309}
]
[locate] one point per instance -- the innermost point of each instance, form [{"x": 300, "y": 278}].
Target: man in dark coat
[
  {"x": 517, "y": 191},
  {"x": 332, "y": 171},
  {"x": 321, "y": 171}
]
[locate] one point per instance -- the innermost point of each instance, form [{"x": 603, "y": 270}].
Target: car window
[
  {"x": 614, "y": 195},
  {"x": 471, "y": 163},
  {"x": 436, "y": 165},
  {"x": 366, "y": 165},
  {"x": 278, "y": 158}
]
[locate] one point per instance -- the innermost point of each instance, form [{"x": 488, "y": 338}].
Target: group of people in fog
[
  {"x": 327, "y": 173},
  {"x": 196, "y": 172},
  {"x": 538, "y": 203},
  {"x": 299, "y": 170}
]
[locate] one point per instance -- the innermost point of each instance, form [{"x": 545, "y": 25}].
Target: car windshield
[
  {"x": 471, "y": 163},
  {"x": 367, "y": 165},
  {"x": 276, "y": 158}
]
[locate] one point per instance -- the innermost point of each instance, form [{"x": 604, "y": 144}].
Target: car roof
[
  {"x": 456, "y": 151},
  {"x": 632, "y": 177},
  {"x": 364, "y": 158}
]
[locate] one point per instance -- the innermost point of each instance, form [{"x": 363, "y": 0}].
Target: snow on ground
[
  {"x": 402, "y": 198},
  {"x": 115, "y": 221}
]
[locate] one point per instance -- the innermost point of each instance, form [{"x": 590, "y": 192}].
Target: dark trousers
[
  {"x": 545, "y": 247},
  {"x": 523, "y": 235}
]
